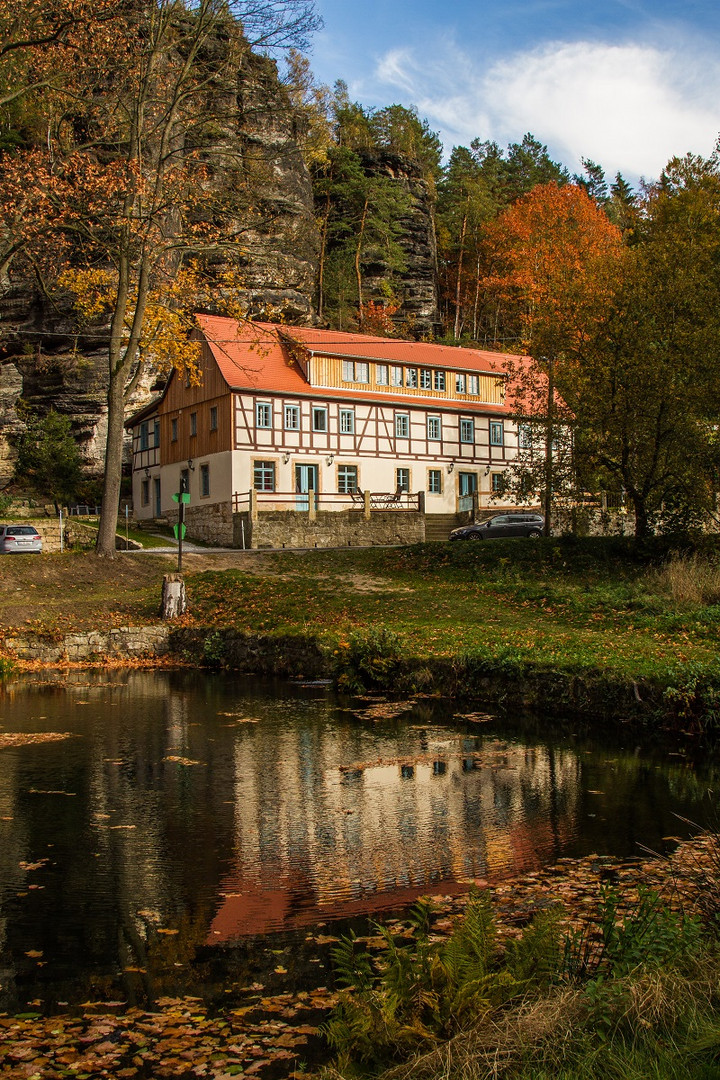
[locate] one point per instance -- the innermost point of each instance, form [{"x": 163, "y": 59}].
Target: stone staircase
[{"x": 439, "y": 526}]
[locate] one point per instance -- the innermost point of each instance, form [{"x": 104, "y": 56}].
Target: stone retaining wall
[
  {"x": 122, "y": 642},
  {"x": 211, "y": 524},
  {"x": 346, "y": 528}
]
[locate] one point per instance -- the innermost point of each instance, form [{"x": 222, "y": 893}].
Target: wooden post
[
  {"x": 174, "y": 597},
  {"x": 366, "y": 501},
  {"x": 253, "y": 501}
]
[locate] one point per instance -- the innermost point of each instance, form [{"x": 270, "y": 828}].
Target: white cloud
[{"x": 630, "y": 107}]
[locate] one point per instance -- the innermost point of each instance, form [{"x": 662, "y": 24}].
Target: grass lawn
[{"x": 576, "y": 607}]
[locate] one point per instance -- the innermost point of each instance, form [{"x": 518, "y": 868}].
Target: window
[
  {"x": 396, "y": 376},
  {"x": 439, "y": 380},
  {"x": 213, "y": 418},
  {"x": 434, "y": 485},
  {"x": 263, "y": 414},
  {"x": 434, "y": 427},
  {"x": 381, "y": 374},
  {"x": 524, "y": 437},
  {"x": 402, "y": 426},
  {"x": 425, "y": 379},
  {"x": 193, "y": 423},
  {"x": 144, "y": 435},
  {"x": 184, "y": 479},
  {"x": 473, "y": 384},
  {"x": 347, "y": 421},
  {"x": 264, "y": 476},
  {"x": 292, "y": 417},
  {"x": 204, "y": 480},
  {"x": 460, "y": 384},
  {"x": 497, "y": 435},
  {"x": 411, "y": 377},
  {"x": 498, "y": 483},
  {"x": 145, "y": 492},
  {"x": 467, "y": 430},
  {"x": 319, "y": 418},
  {"x": 157, "y": 433},
  {"x": 347, "y": 479},
  {"x": 402, "y": 480},
  {"x": 355, "y": 371},
  {"x": 173, "y": 429}
]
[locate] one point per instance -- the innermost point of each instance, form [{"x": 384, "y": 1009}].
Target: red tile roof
[{"x": 256, "y": 356}]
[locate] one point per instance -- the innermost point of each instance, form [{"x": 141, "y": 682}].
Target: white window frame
[
  {"x": 263, "y": 469},
  {"x": 467, "y": 430},
  {"x": 318, "y": 411},
  {"x": 525, "y": 440},
  {"x": 396, "y": 376},
  {"x": 362, "y": 371},
  {"x": 381, "y": 374},
  {"x": 460, "y": 383},
  {"x": 439, "y": 381},
  {"x": 291, "y": 411},
  {"x": 402, "y": 425},
  {"x": 404, "y": 483},
  {"x": 348, "y": 371},
  {"x": 347, "y": 473},
  {"x": 346, "y": 422},
  {"x": 411, "y": 378},
  {"x": 434, "y": 481},
  {"x": 263, "y": 415},
  {"x": 425, "y": 378},
  {"x": 473, "y": 384},
  {"x": 434, "y": 428}
]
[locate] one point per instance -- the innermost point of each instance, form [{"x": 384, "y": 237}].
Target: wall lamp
[
  {"x": 487, "y": 471},
  {"x": 285, "y": 459},
  {"x": 330, "y": 459},
  {"x": 190, "y": 464},
  {"x": 147, "y": 472},
  {"x": 450, "y": 467}
]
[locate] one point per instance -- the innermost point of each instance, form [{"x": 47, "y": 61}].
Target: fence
[{"x": 264, "y": 501}]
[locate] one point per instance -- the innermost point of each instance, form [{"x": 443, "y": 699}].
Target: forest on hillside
[{"x": 152, "y": 164}]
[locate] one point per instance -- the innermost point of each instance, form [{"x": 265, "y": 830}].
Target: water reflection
[{"x": 186, "y": 811}]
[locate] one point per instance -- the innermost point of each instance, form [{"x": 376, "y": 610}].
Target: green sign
[
  {"x": 176, "y": 531},
  {"x": 182, "y": 496}
]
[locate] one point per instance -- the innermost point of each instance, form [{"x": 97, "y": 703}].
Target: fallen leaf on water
[
  {"x": 34, "y": 953},
  {"x": 183, "y": 760}
]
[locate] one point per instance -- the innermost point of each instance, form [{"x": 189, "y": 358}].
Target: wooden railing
[{"x": 264, "y": 501}]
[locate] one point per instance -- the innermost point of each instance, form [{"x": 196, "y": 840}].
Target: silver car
[{"x": 17, "y": 538}]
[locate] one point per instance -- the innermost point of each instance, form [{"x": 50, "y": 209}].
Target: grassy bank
[{"x": 574, "y": 623}]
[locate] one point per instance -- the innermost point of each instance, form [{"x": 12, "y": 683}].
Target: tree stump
[{"x": 174, "y": 597}]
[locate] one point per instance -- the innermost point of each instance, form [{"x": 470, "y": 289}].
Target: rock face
[
  {"x": 42, "y": 365},
  {"x": 416, "y": 286}
]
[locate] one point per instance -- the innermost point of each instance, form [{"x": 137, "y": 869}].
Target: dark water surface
[{"x": 190, "y": 817}]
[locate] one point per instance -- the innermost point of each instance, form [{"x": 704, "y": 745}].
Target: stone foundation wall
[
  {"x": 124, "y": 641},
  {"x": 592, "y": 521},
  {"x": 290, "y": 529},
  {"x": 211, "y": 524}
]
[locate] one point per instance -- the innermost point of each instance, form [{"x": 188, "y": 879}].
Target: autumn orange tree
[
  {"x": 553, "y": 256},
  {"x": 137, "y": 110}
]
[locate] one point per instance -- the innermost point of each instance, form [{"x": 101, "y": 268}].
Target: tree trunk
[
  {"x": 549, "y": 440},
  {"x": 642, "y": 520},
  {"x": 105, "y": 544},
  {"x": 458, "y": 283},
  {"x": 358, "y": 253},
  {"x": 174, "y": 597}
]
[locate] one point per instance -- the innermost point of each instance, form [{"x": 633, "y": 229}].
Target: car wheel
[
  {"x": 534, "y": 534},
  {"x": 475, "y": 536}
]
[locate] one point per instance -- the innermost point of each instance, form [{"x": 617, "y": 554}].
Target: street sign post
[{"x": 182, "y": 498}]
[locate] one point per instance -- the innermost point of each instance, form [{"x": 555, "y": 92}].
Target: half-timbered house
[{"x": 295, "y": 419}]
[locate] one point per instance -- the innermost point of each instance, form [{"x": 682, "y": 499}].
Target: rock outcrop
[
  {"x": 43, "y": 365},
  {"x": 416, "y": 285}
]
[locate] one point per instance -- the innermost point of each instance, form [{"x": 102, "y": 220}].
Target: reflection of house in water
[{"x": 320, "y": 839}]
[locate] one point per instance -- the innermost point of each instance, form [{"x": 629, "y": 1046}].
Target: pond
[{"x": 192, "y": 828}]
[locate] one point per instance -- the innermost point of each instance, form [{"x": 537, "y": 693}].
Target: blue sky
[{"x": 627, "y": 83}]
